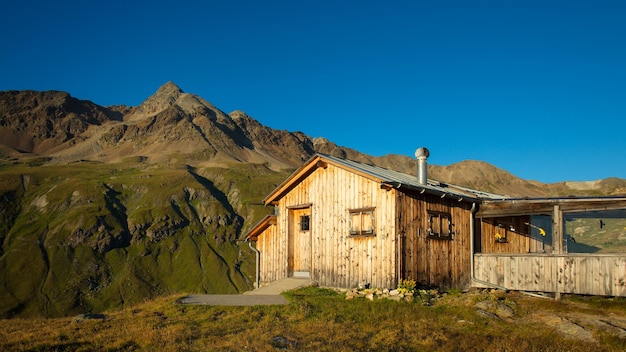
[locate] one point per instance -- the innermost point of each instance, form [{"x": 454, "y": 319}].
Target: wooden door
[{"x": 300, "y": 242}]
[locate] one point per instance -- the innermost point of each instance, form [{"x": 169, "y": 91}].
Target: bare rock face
[
  {"x": 171, "y": 122},
  {"x": 36, "y": 122},
  {"x": 292, "y": 148}
]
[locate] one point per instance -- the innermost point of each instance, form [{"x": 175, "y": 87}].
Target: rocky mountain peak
[
  {"x": 165, "y": 96},
  {"x": 169, "y": 89}
]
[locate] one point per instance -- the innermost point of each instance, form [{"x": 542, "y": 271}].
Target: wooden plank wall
[
  {"x": 518, "y": 239},
  {"x": 589, "y": 274},
  {"x": 339, "y": 259},
  {"x": 273, "y": 260},
  {"x": 432, "y": 262}
]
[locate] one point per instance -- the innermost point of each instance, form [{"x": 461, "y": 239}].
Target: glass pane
[
  {"x": 305, "y": 223},
  {"x": 596, "y": 231}
]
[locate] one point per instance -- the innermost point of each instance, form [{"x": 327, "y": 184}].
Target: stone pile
[{"x": 395, "y": 294}]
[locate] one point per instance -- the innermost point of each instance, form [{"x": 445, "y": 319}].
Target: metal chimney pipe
[{"x": 422, "y": 167}]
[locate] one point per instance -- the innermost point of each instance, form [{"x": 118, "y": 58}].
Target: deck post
[
  {"x": 557, "y": 230},
  {"x": 557, "y": 245}
]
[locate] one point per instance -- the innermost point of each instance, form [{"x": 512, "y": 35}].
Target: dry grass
[{"x": 320, "y": 320}]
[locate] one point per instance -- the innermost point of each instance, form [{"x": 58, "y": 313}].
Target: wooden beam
[
  {"x": 557, "y": 230},
  {"x": 300, "y": 206},
  {"x": 557, "y": 246},
  {"x": 300, "y": 174},
  {"x": 511, "y": 207}
]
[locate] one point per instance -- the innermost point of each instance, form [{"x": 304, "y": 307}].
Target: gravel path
[{"x": 265, "y": 295}]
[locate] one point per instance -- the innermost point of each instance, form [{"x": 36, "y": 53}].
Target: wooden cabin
[
  {"x": 348, "y": 224},
  {"x": 345, "y": 224}
]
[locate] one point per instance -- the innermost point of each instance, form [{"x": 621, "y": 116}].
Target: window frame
[
  {"x": 437, "y": 228},
  {"x": 305, "y": 220},
  {"x": 361, "y": 213}
]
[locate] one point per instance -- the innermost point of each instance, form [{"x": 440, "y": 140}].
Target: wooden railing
[{"x": 592, "y": 274}]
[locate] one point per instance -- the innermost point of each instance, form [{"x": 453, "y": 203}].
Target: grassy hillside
[
  {"x": 88, "y": 236},
  {"x": 323, "y": 320}
]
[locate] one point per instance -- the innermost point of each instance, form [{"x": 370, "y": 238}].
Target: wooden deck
[{"x": 590, "y": 274}]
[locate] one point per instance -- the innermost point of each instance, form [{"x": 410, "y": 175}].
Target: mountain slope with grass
[
  {"x": 104, "y": 207},
  {"x": 87, "y": 236}
]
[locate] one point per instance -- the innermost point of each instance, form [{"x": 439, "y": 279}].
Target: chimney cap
[{"x": 422, "y": 152}]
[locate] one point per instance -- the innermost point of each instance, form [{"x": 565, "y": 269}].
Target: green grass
[{"x": 316, "y": 320}]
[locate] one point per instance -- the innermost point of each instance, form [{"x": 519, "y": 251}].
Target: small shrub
[{"x": 406, "y": 286}]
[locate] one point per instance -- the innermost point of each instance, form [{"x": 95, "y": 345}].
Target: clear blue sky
[{"x": 537, "y": 88}]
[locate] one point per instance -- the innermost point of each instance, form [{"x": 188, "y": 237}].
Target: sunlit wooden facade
[{"x": 365, "y": 226}]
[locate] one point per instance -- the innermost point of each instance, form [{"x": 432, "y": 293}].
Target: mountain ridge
[
  {"x": 103, "y": 207},
  {"x": 171, "y": 121}
]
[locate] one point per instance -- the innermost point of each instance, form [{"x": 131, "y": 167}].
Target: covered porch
[{"x": 553, "y": 245}]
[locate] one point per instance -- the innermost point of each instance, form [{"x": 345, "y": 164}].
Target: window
[
  {"x": 305, "y": 222},
  {"x": 362, "y": 222},
  {"x": 439, "y": 225}
]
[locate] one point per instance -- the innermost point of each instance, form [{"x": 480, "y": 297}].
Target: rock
[
  {"x": 486, "y": 314},
  {"x": 504, "y": 311},
  {"x": 394, "y": 292},
  {"x": 89, "y": 316},
  {"x": 485, "y": 305},
  {"x": 370, "y": 296},
  {"x": 573, "y": 330},
  {"x": 282, "y": 343},
  {"x": 610, "y": 327}
]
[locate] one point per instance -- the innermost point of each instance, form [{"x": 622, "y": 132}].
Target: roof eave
[
  {"x": 316, "y": 161},
  {"x": 435, "y": 192},
  {"x": 261, "y": 226},
  {"x": 306, "y": 169}
]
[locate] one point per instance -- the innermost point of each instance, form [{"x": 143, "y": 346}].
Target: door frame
[{"x": 300, "y": 256}]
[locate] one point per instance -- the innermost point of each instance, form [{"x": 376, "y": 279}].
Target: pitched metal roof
[
  {"x": 402, "y": 180},
  {"x": 384, "y": 176}
]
